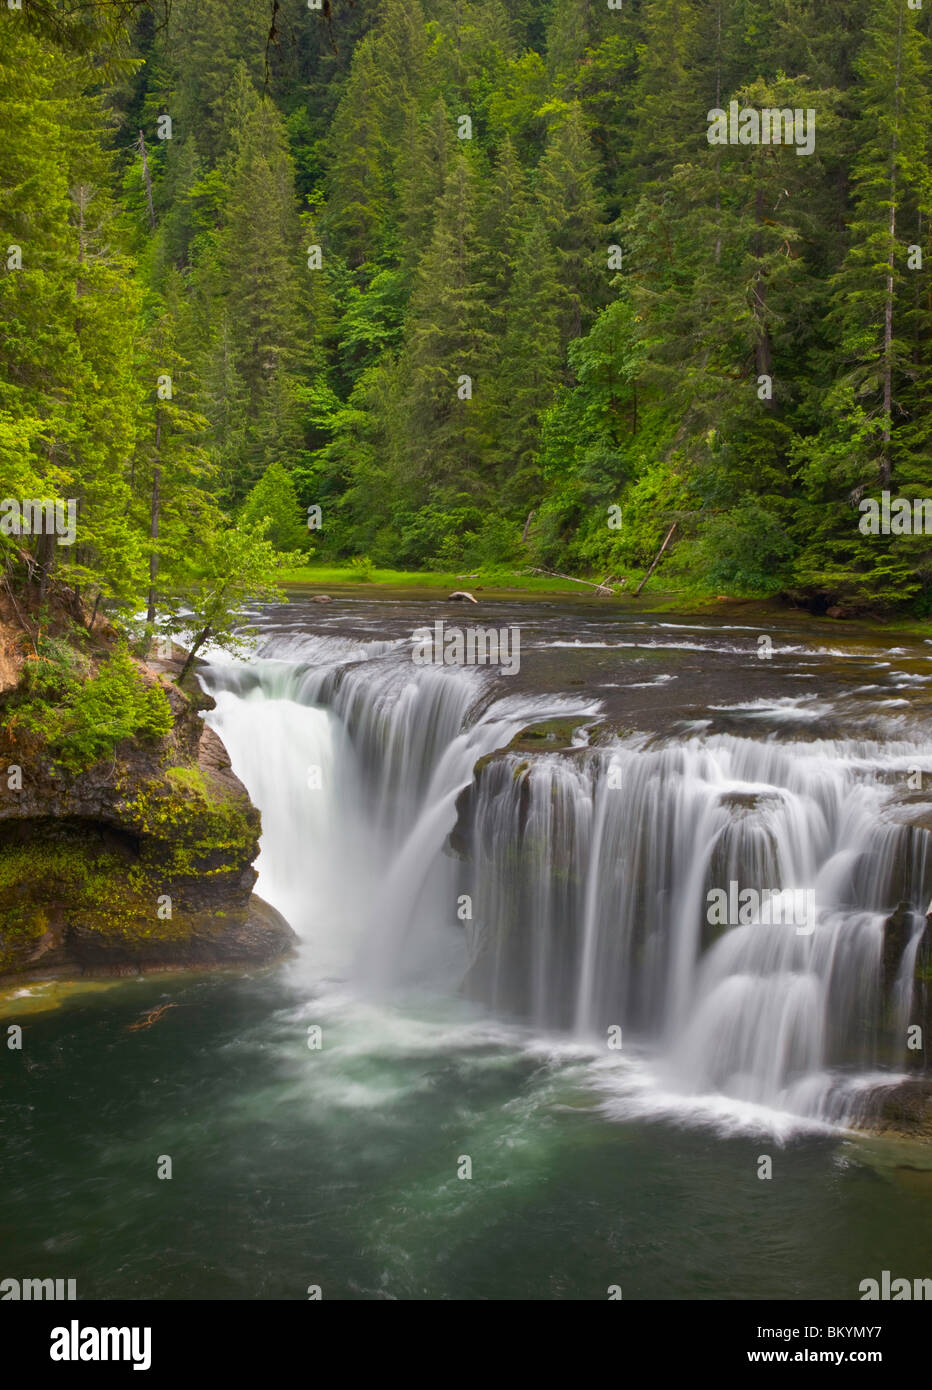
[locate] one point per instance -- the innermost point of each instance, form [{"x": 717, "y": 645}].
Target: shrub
[
  {"x": 80, "y": 720},
  {"x": 363, "y": 568},
  {"x": 745, "y": 550}
]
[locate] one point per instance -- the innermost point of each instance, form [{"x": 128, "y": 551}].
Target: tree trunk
[
  {"x": 656, "y": 560},
  {"x": 196, "y": 645},
  {"x": 147, "y": 179},
  {"x": 885, "y": 462},
  {"x": 718, "y": 161},
  {"x": 154, "y": 523},
  {"x": 763, "y": 353},
  {"x": 45, "y": 552}
]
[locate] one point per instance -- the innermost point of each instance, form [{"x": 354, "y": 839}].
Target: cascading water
[
  {"x": 356, "y": 768},
  {"x": 587, "y": 873},
  {"x": 618, "y": 934}
]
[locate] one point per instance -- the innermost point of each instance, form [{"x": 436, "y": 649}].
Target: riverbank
[
  {"x": 347, "y": 581},
  {"x": 491, "y": 581}
]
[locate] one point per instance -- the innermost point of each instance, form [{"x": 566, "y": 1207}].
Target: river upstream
[{"x": 517, "y": 1056}]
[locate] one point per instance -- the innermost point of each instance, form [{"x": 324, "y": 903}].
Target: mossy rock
[{"x": 146, "y": 856}]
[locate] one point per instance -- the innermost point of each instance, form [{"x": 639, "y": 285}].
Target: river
[{"x": 513, "y": 1058}]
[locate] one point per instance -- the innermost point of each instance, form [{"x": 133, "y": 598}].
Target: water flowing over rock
[
  {"x": 617, "y": 932},
  {"x": 569, "y": 889}
]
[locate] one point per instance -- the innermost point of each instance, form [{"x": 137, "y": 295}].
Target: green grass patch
[{"x": 335, "y": 576}]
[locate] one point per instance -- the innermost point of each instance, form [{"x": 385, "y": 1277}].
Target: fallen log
[
  {"x": 656, "y": 560},
  {"x": 602, "y": 588}
]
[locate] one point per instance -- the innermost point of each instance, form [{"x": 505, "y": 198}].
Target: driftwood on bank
[{"x": 604, "y": 587}]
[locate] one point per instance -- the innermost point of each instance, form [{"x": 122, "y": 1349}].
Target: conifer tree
[
  {"x": 892, "y": 195},
  {"x": 448, "y": 342},
  {"x": 527, "y": 370},
  {"x": 571, "y": 205}
]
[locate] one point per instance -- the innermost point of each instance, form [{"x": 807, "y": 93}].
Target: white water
[
  {"x": 357, "y": 865},
  {"x": 587, "y": 875}
]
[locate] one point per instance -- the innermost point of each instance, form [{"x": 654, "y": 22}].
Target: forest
[{"x": 504, "y": 285}]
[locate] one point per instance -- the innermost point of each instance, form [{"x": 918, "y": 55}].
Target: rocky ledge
[
  {"x": 143, "y": 861},
  {"x": 901, "y": 1109}
]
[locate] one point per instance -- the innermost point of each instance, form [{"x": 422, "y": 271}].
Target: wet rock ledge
[{"x": 141, "y": 862}]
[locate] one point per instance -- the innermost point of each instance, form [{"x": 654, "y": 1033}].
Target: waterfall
[
  {"x": 405, "y": 841},
  {"x": 356, "y": 767},
  {"x": 617, "y": 933}
]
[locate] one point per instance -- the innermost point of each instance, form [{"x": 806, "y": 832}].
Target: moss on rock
[{"x": 145, "y": 857}]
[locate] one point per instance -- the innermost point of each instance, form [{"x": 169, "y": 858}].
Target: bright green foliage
[
  {"x": 75, "y": 715},
  {"x": 68, "y": 307},
  {"x": 874, "y": 431},
  {"x": 233, "y": 564},
  {"x": 745, "y": 550},
  {"x": 467, "y": 275},
  {"x": 272, "y": 509}
]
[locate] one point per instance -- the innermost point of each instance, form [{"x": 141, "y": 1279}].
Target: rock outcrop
[
  {"x": 903, "y": 1109},
  {"x": 142, "y": 861}
]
